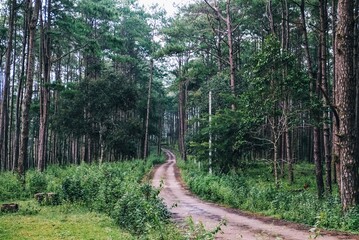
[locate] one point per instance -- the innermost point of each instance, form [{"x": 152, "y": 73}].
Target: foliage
[
  {"x": 37, "y": 182},
  {"x": 10, "y": 187},
  {"x": 198, "y": 230},
  {"x": 116, "y": 189}
]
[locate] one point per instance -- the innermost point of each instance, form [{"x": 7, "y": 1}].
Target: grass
[{"x": 67, "y": 221}]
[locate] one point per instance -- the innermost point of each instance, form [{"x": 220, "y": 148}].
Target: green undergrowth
[
  {"x": 252, "y": 189},
  {"x": 113, "y": 193}
]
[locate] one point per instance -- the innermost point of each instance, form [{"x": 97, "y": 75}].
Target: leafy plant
[
  {"x": 37, "y": 182},
  {"x": 251, "y": 190}
]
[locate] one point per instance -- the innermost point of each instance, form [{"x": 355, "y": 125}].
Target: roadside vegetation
[
  {"x": 251, "y": 188},
  {"x": 91, "y": 202}
]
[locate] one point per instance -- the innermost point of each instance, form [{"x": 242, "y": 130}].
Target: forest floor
[{"x": 239, "y": 225}]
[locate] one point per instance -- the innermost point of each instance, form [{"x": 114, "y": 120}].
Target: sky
[{"x": 168, "y": 5}]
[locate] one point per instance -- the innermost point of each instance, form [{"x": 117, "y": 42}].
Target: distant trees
[{"x": 75, "y": 72}]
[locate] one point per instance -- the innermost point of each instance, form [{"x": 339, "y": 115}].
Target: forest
[{"x": 264, "y": 88}]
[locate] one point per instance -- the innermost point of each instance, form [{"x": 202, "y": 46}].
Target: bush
[
  {"x": 10, "y": 187},
  {"x": 140, "y": 210},
  {"x": 252, "y": 191},
  {"x": 36, "y": 182},
  {"x": 72, "y": 189}
]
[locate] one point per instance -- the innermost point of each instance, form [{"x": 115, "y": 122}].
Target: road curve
[{"x": 238, "y": 225}]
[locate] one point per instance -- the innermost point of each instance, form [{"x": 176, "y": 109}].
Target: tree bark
[
  {"x": 182, "y": 119},
  {"x": 145, "y": 149},
  {"x": 346, "y": 91},
  {"x": 324, "y": 86},
  {"x": 16, "y": 148},
  {"x": 44, "y": 91},
  {"x": 336, "y": 148},
  {"x": 6, "y": 89},
  {"x": 28, "y": 91}
]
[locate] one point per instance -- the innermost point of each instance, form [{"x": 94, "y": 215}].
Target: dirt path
[{"x": 239, "y": 225}]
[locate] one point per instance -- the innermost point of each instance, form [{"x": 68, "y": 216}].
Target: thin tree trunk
[
  {"x": 181, "y": 114},
  {"x": 160, "y": 130},
  {"x": 318, "y": 163},
  {"x": 6, "y": 90},
  {"x": 44, "y": 91},
  {"x": 285, "y": 47},
  {"x": 324, "y": 86},
  {"x": 20, "y": 91},
  {"x": 145, "y": 149},
  {"x": 210, "y": 150},
  {"x": 232, "y": 65},
  {"x": 336, "y": 148}
]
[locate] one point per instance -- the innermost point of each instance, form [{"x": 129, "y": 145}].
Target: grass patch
[{"x": 66, "y": 221}]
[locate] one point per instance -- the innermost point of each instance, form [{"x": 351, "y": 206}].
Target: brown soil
[{"x": 239, "y": 225}]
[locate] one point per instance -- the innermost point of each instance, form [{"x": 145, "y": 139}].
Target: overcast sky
[{"x": 166, "y": 4}]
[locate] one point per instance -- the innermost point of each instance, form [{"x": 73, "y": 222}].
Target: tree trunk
[
  {"x": 210, "y": 150},
  {"x": 6, "y": 89},
  {"x": 346, "y": 104},
  {"x": 286, "y": 104},
  {"x": 44, "y": 91},
  {"x": 324, "y": 86},
  {"x": 231, "y": 57},
  {"x": 145, "y": 149},
  {"x": 182, "y": 116},
  {"x": 28, "y": 91},
  {"x": 318, "y": 163},
  {"x": 335, "y": 140},
  {"x": 232, "y": 65},
  {"x": 16, "y": 148},
  {"x": 275, "y": 162}
]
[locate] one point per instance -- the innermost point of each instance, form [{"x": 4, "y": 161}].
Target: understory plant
[{"x": 253, "y": 190}]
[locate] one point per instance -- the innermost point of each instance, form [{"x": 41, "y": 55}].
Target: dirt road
[{"x": 239, "y": 225}]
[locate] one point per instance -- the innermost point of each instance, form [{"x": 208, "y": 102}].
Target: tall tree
[
  {"x": 4, "y": 121},
  {"x": 229, "y": 30},
  {"x": 325, "y": 93},
  {"x": 45, "y": 40},
  {"x": 345, "y": 82},
  {"x": 29, "y": 88}
]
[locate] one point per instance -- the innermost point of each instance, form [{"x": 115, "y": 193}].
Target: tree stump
[
  {"x": 40, "y": 198},
  {"x": 10, "y": 207},
  {"x": 52, "y": 198}
]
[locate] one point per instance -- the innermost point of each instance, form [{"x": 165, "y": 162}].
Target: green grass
[{"x": 67, "y": 221}]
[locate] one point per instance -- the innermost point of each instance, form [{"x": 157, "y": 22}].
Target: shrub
[
  {"x": 10, "y": 187},
  {"x": 72, "y": 189},
  {"x": 36, "y": 182},
  {"x": 140, "y": 210},
  {"x": 251, "y": 190}
]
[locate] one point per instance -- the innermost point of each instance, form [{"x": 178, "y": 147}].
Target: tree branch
[
  {"x": 332, "y": 107},
  {"x": 68, "y": 53}
]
